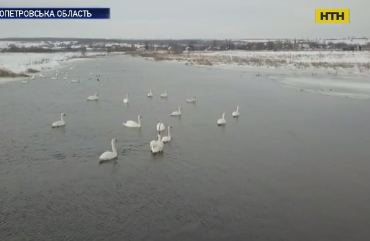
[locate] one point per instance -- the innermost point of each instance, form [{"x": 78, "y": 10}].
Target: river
[{"x": 293, "y": 166}]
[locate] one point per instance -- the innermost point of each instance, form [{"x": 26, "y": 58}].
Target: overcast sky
[{"x": 193, "y": 19}]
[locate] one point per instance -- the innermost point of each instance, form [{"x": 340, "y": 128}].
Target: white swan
[
  {"x": 177, "y": 113},
  {"x": 150, "y": 94},
  {"x": 65, "y": 77},
  {"x": 160, "y": 126},
  {"x": 109, "y": 155},
  {"x": 236, "y": 112},
  {"x": 93, "y": 97},
  {"x": 221, "y": 121},
  {"x": 131, "y": 123},
  {"x": 60, "y": 122},
  {"x": 126, "y": 100},
  {"x": 41, "y": 76},
  {"x": 32, "y": 77},
  {"x": 156, "y": 145},
  {"x": 167, "y": 138},
  {"x": 75, "y": 81},
  {"x": 165, "y": 94},
  {"x": 54, "y": 77},
  {"x": 25, "y": 81},
  {"x": 192, "y": 100}
]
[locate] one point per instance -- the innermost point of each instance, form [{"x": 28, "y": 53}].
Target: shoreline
[
  {"x": 348, "y": 83},
  {"x": 310, "y": 61},
  {"x": 52, "y": 63}
]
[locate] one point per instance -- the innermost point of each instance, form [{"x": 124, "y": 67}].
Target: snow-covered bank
[
  {"x": 337, "y": 73},
  {"x": 307, "y": 60},
  {"x": 21, "y": 62},
  {"x": 333, "y": 73},
  {"x": 291, "y": 60}
]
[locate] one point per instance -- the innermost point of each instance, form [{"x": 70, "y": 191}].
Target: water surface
[{"x": 294, "y": 166}]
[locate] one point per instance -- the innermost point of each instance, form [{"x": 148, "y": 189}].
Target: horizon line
[{"x": 175, "y": 39}]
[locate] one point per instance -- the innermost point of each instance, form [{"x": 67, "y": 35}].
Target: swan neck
[
  {"x": 237, "y": 108},
  {"x": 114, "y": 147},
  {"x": 169, "y": 132},
  {"x": 138, "y": 120},
  {"x": 223, "y": 115},
  {"x": 61, "y": 117}
]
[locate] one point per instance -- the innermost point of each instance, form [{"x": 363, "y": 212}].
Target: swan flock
[{"x": 157, "y": 145}]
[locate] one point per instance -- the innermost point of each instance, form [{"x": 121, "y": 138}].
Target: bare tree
[
  {"x": 83, "y": 51},
  {"x": 214, "y": 44},
  {"x": 191, "y": 45},
  {"x": 270, "y": 45}
]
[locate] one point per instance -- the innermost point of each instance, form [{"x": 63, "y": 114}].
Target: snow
[
  {"x": 5, "y": 44},
  {"x": 263, "y": 40},
  {"x": 50, "y": 44},
  {"x": 362, "y": 41},
  {"x": 301, "y": 55},
  {"x": 359, "y": 41},
  {"x": 331, "y": 73},
  {"x": 310, "y": 60},
  {"x": 339, "y": 86},
  {"x": 20, "y": 62}
]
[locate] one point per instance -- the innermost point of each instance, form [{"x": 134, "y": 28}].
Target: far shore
[
  {"x": 18, "y": 66},
  {"x": 330, "y": 61},
  {"x": 330, "y": 73},
  {"x": 21, "y": 65}
]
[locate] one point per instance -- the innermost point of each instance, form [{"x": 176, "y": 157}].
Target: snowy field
[
  {"x": 301, "y": 56},
  {"x": 360, "y": 41},
  {"x": 293, "y": 59},
  {"x": 59, "y": 44},
  {"x": 332, "y": 73},
  {"x": 21, "y": 62}
]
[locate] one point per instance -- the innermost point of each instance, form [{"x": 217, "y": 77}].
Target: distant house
[
  {"x": 94, "y": 50},
  {"x": 58, "y": 48},
  {"x": 348, "y": 48},
  {"x": 304, "y": 46}
]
